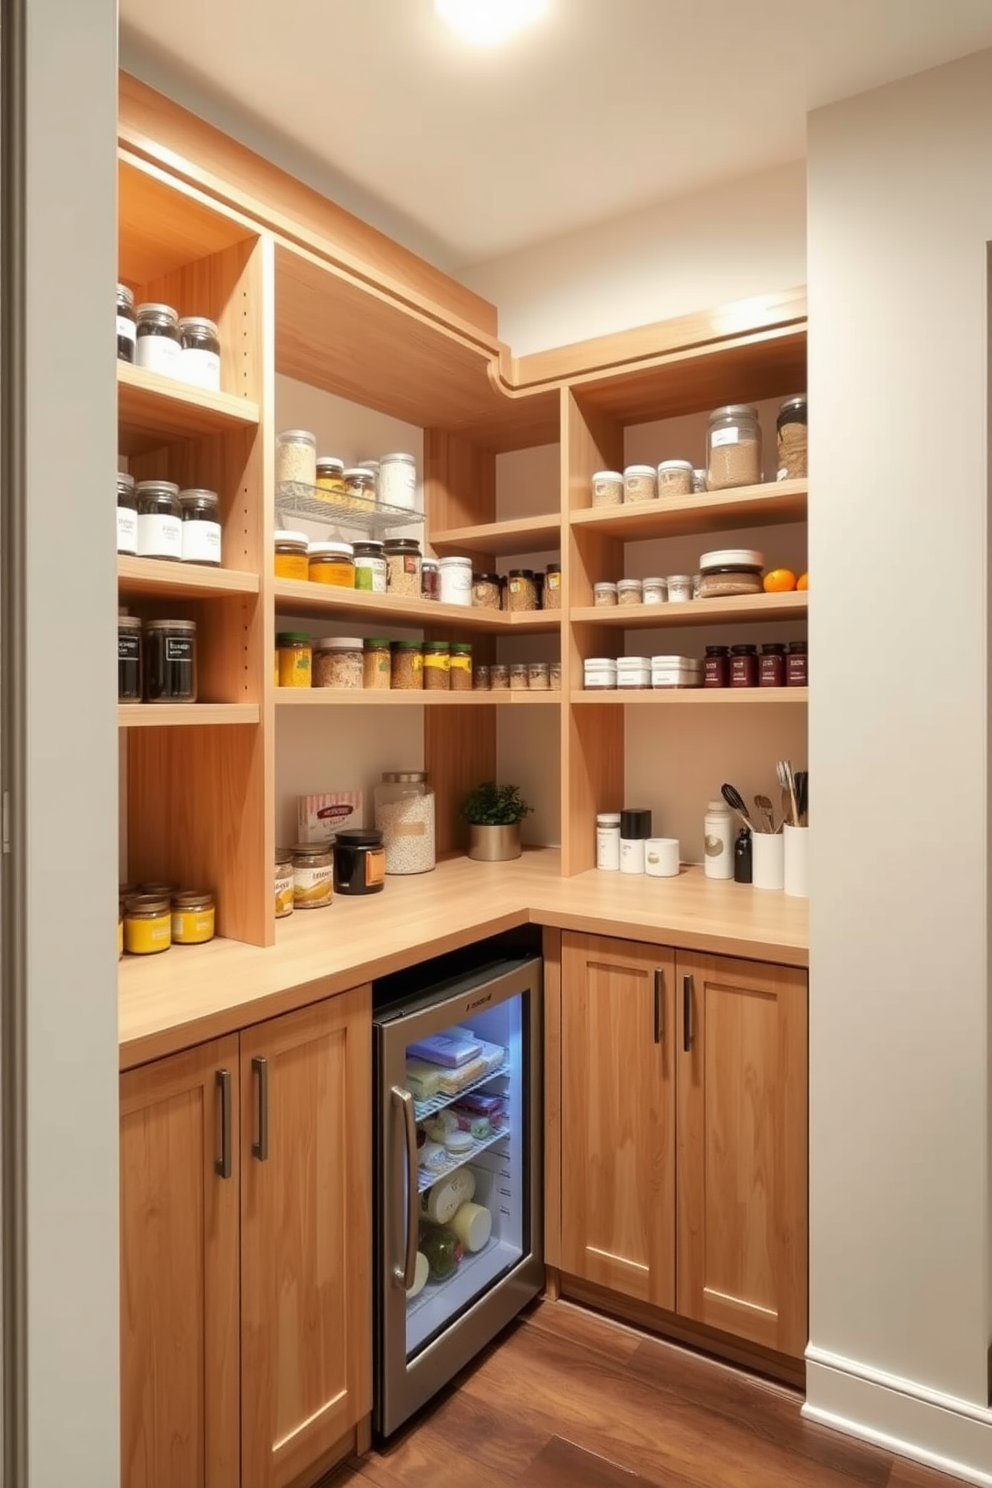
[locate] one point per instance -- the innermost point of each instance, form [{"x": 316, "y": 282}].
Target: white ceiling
[{"x": 603, "y": 107}]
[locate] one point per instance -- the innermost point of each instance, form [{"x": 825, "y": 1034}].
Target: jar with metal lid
[
  {"x": 538, "y": 676},
  {"x": 128, "y": 659},
  {"x": 480, "y": 678},
  {"x": 371, "y": 467},
  {"x": 654, "y": 591},
  {"x": 193, "y": 917},
  {"x": 126, "y": 325},
  {"x": 157, "y": 346},
  {"x": 296, "y": 458},
  {"x": 599, "y": 673},
  {"x": 698, "y": 482},
  {"x": 294, "y": 652},
  {"x": 552, "y": 587},
  {"x": 159, "y": 890},
  {"x": 376, "y": 664},
  {"x": 359, "y": 487},
  {"x": 499, "y": 677},
  {"x": 554, "y": 676},
  {"x": 404, "y": 814},
  {"x": 291, "y": 560},
  {"x": 792, "y": 432},
  {"x": 406, "y": 666},
  {"x": 147, "y": 924},
  {"x": 403, "y": 560},
  {"x": 743, "y": 666},
  {"x": 201, "y": 533},
  {"x": 518, "y": 676},
  {"x": 437, "y": 666},
  {"x": 629, "y": 591},
  {"x": 604, "y": 594},
  {"x": 329, "y": 480},
  {"x": 199, "y": 362},
  {"x": 607, "y": 488},
  {"x": 729, "y": 571},
  {"x": 331, "y": 563},
  {"x": 521, "y": 590},
  {"x": 284, "y": 882},
  {"x": 675, "y": 478},
  {"x": 313, "y": 875},
  {"x": 771, "y": 665},
  {"x": 679, "y": 588},
  {"x": 460, "y": 677},
  {"x": 127, "y": 514},
  {"x": 169, "y": 661},
  {"x": 359, "y": 861},
  {"x": 733, "y": 447},
  {"x": 160, "y": 520},
  {"x": 716, "y": 666},
  {"x": 486, "y": 591},
  {"x": 640, "y": 484},
  {"x": 370, "y": 566},
  {"x": 338, "y": 662},
  {"x": 456, "y": 580},
  {"x": 797, "y": 665},
  {"x": 430, "y": 579},
  {"x": 398, "y": 481}
]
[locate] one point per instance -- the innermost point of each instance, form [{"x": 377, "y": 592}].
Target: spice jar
[
  {"x": 430, "y": 579},
  {"x": 127, "y": 514},
  {"x": 329, "y": 478},
  {"x": 201, "y": 532},
  {"x": 375, "y": 664},
  {"x": 499, "y": 677},
  {"x": 793, "y": 448},
  {"x": 404, "y": 814},
  {"x": 147, "y": 924},
  {"x": 128, "y": 659},
  {"x": 331, "y": 563},
  {"x": 675, "y": 478},
  {"x": 125, "y": 324},
  {"x": 402, "y": 566},
  {"x": 607, "y": 488},
  {"x": 456, "y": 580},
  {"x": 359, "y": 488},
  {"x": 733, "y": 447},
  {"x": 538, "y": 679},
  {"x": 193, "y": 917},
  {"x": 157, "y": 345},
  {"x": 313, "y": 875},
  {"x": 398, "y": 481},
  {"x": 604, "y": 595},
  {"x": 437, "y": 666},
  {"x": 295, "y": 656},
  {"x": 797, "y": 665},
  {"x": 679, "y": 588},
  {"x": 654, "y": 591},
  {"x": 480, "y": 678},
  {"x": 169, "y": 661},
  {"x": 743, "y": 666},
  {"x": 518, "y": 676},
  {"x": 338, "y": 662},
  {"x": 629, "y": 592},
  {"x": 461, "y": 666},
  {"x": 486, "y": 591},
  {"x": 296, "y": 459},
  {"x": 771, "y": 665},
  {"x": 284, "y": 882},
  {"x": 199, "y": 361},
  {"x": 406, "y": 666},
  {"x": 370, "y": 566},
  {"x": 291, "y": 561},
  {"x": 551, "y": 599},
  {"x": 521, "y": 590},
  {"x": 359, "y": 861},
  {"x": 160, "y": 520},
  {"x": 716, "y": 666},
  {"x": 640, "y": 483}
]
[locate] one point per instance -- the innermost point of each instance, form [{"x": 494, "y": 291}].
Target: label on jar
[
  {"x": 201, "y": 542},
  {"x": 126, "y": 328},
  {"x": 461, "y": 663},
  {"x": 408, "y": 829},
  {"x": 370, "y": 575},
  {"x": 158, "y": 354},
  {"x": 724, "y": 436},
  {"x": 128, "y": 647},
  {"x": 178, "y": 648},
  {"x": 202, "y": 368},
  {"x": 375, "y": 866},
  {"x": 127, "y": 530},
  {"x": 159, "y": 535},
  {"x": 312, "y": 885},
  {"x": 284, "y": 894}
]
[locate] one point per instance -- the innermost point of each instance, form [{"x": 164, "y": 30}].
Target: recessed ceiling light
[{"x": 488, "y": 22}]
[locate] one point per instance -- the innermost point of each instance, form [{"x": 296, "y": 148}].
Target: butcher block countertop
[{"x": 189, "y": 994}]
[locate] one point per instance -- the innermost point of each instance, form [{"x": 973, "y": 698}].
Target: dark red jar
[
  {"x": 797, "y": 665},
  {"x": 743, "y": 666},
  {"x": 771, "y": 666},
  {"x": 716, "y": 666}
]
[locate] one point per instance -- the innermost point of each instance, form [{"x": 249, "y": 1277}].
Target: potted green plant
[{"x": 494, "y": 813}]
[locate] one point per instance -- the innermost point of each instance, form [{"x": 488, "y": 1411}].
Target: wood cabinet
[{"x": 245, "y": 1253}]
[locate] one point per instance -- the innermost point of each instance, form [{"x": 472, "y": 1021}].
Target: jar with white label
[
  {"x": 125, "y": 324},
  {"x": 404, "y": 814},
  {"x": 398, "y": 481},
  {"x": 199, "y": 362},
  {"x": 455, "y": 580},
  {"x": 313, "y": 875},
  {"x": 370, "y": 566},
  {"x": 733, "y": 447},
  {"x": 160, "y": 520},
  {"x": 201, "y": 527},
  {"x": 599, "y": 673},
  {"x": 284, "y": 882},
  {"x": 608, "y": 841},
  {"x": 157, "y": 345},
  {"x": 127, "y": 514},
  {"x": 654, "y": 591}
]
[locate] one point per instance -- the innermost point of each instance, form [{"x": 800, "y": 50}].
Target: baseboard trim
[{"x": 943, "y": 1432}]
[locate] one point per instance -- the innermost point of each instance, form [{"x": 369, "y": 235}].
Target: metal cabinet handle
[
  {"x": 406, "y": 1274},
  {"x": 687, "y": 1013},
  {"x": 260, "y": 1068},
  {"x": 659, "y": 990},
  {"x": 222, "y": 1164}
]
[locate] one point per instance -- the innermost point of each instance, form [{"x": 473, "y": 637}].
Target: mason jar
[
  {"x": 404, "y": 814},
  {"x": 157, "y": 345},
  {"x": 733, "y": 447}
]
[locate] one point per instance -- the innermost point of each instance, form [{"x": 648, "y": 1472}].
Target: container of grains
[
  {"x": 370, "y": 566},
  {"x": 698, "y": 482},
  {"x": 359, "y": 487},
  {"x": 554, "y": 676},
  {"x": 294, "y": 654},
  {"x": 518, "y": 676},
  {"x": 199, "y": 358},
  {"x": 398, "y": 481},
  {"x": 793, "y": 448},
  {"x": 480, "y": 678},
  {"x": 168, "y": 661},
  {"x": 127, "y": 514},
  {"x": 330, "y": 478},
  {"x": 604, "y": 595},
  {"x": 406, "y": 666},
  {"x": 403, "y": 560},
  {"x": 675, "y": 478},
  {"x": 499, "y": 677},
  {"x": 640, "y": 483},
  {"x": 128, "y": 659},
  {"x": 461, "y": 666},
  {"x": 607, "y": 488},
  {"x": 201, "y": 526},
  {"x": 733, "y": 447},
  {"x": 729, "y": 571},
  {"x": 331, "y": 563},
  {"x": 291, "y": 561},
  {"x": 538, "y": 676},
  {"x": 160, "y": 520},
  {"x": 338, "y": 662},
  {"x": 376, "y": 664},
  {"x": 654, "y": 591},
  {"x": 404, "y": 814},
  {"x": 157, "y": 345},
  {"x": 284, "y": 882},
  {"x": 437, "y": 666},
  {"x": 296, "y": 457},
  {"x": 552, "y": 587},
  {"x": 486, "y": 593},
  {"x": 456, "y": 580},
  {"x": 629, "y": 591},
  {"x": 313, "y": 875},
  {"x": 521, "y": 590},
  {"x": 430, "y": 579},
  {"x": 679, "y": 588}
]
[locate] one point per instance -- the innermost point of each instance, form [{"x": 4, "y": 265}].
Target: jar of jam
[
  {"x": 126, "y": 326},
  {"x": 313, "y": 875},
  {"x": 291, "y": 561},
  {"x": 330, "y": 478},
  {"x": 157, "y": 343},
  {"x": 193, "y": 917},
  {"x": 331, "y": 563},
  {"x": 797, "y": 665},
  {"x": 743, "y": 666},
  {"x": 716, "y": 666},
  {"x": 771, "y": 667},
  {"x": 147, "y": 924},
  {"x": 430, "y": 579}
]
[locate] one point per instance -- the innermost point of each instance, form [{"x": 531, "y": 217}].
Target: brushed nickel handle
[
  {"x": 222, "y": 1164},
  {"x": 687, "y": 1014},
  {"x": 659, "y": 989},
  {"x": 405, "y": 1275},
  {"x": 260, "y": 1070}
]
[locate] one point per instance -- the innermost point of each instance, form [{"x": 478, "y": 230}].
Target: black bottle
[{"x": 742, "y": 857}]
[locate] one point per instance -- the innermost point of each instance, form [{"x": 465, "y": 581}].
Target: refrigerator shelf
[
  {"x": 423, "y": 1109},
  {"x": 427, "y": 1179}
]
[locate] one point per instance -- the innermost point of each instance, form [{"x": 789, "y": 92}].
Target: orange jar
[
  {"x": 332, "y": 563},
  {"x": 291, "y": 555}
]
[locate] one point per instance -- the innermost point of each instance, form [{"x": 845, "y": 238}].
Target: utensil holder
[
  {"x": 767, "y": 860},
  {"x": 661, "y": 857},
  {"x": 796, "y": 861}
]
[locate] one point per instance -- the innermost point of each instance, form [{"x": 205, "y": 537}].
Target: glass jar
[
  {"x": 552, "y": 587},
  {"x": 629, "y": 591},
  {"x": 480, "y": 678},
  {"x": 128, "y": 659},
  {"x": 554, "y": 676},
  {"x": 797, "y": 665},
  {"x": 291, "y": 561},
  {"x": 521, "y": 590},
  {"x": 371, "y": 467},
  {"x": 499, "y": 677},
  {"x": 716, "y": 666},
  {"x": 147, "y": 924},
  {"x": 456, "y": 580},
  {"x": 338, "y": 662},
  {"x": 733, "y": 447},
  {"x": 437, "y": 666},
  {"x": 743, "y": 666},
  {"x": 294, "y": 653},
  {"x": 607, "y": 488},
  {"x": 127, "y": 514},
  {"x": 296, "y": 459},
  {"x": 359, "y": 487},
  {"x": 331, "y": 563},
  {"x": 193, "y": 917},
  {"x": 460, "y": 679},
  {"x": 430, "y": 579},
  {"x": 403, "y": 559},
  {"x": 157, "y": 345},
  {"x": 404, "y": 814},
  {"x": 406, "y": 666},
  {"x": 654, "y": 591},
  {"x": 792, "y": 432},
  {"x": 201, "y": 531},
  {"x": 518, "y": 676},
  {"x": 698, "y": 482},
  {"x": 370, "y": 566},
  {"x": 359, "y": 861},
  {"x": 375, "y": 664},
  {"x": 731, "y": 571},
  {"x": 486, "y": 591},
  {"x": 169, "y": 661},
  {"x": 538, "y": 677},
  {"x": 313, "y": 875},
  {"x": 329, "y": 478},
  {"x": 604, "y": 595},
  {"x": 160, "y": 520},
  {"x": 640, "y": 484},
  {"x": 199, "y": 361},
  {"x": 398, "y": 481},
  {"x": 675, "y": 478},
  {"x": 771, "y": 665},
  {"x": 126, "y": 325},
  {"x": 679, "y": 588},
  {"x": 284, "y": 883}
]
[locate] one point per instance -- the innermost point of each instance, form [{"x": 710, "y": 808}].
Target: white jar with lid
[
  {"x": 654, "y": 591},
  {"x": 718, "y": 841},
  {"x": 600, "y": 673},
  {"x": 398, "y": 481},
  {"x": 629, "y": 591},
  {"x": 675, "y": 478},
  {"x": 679, "y": 588},
  {"x": 608, "y": 841},
  {"x": 607, "y": 488},
  {"x": 640, "y": 483},
  {"x": 633, "y": 671},
  {"x": 455, "y": 576},
  {"x": 604, "y": 594}
]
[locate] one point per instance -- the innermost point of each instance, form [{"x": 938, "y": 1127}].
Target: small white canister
[
  {"x": 455, "y": 576},
  {"x": 608, "y": 841},
  {"x": 398, "y": 481},
  {"x": 600, "y": 673}
]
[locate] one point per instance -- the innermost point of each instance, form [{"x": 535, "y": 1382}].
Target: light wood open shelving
[
  {"x": 151, "y": 576},
  {"x": 711, "y": 511},
  {"x": 664, "y": 697},
  {"x": 331, "y": 697},
  {"x": 327, "y": 602},
  {"x": 153, "y": 410},
  {"x": 185, "y": 715},
  {"x": 524, "y": 535},
  {"x": 754, "y": 608}
]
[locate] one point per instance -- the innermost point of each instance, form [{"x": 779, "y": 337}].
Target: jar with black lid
[
  {"x": 199, "y": 342},
  {"x": 552, "y": 587},
  {"x": 127, "y": 514},
  {"x": 126, "y": 325},
  {"x": 403, "y": 558},
  {"x": 771, "y": 667},
  {"x": 169, "y": 658},
  {"x": 128, "y": 659},
  {"x": 201, "y": 527},
  {"x": 793, "y": 439},
  {"x": 359, "y": 861},
  {"x": 160, "y": 524},
  {"x": 797, "y": 665},
  {"x": 522, "y": 590},
  {"x": 157, "y": 343},
  {"x": 487, "y": 593},
  {"x": 716, "y": 666},
  {"x": 370, "y": 566},
  {"x": 743, "y": 666}
]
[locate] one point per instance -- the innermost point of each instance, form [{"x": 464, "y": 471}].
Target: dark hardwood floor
[{"x": 566, "y": 1399}]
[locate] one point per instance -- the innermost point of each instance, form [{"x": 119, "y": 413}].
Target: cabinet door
[
  {"x": 617, "y": 1116},
  {"x": 179, "y": 1271},
  {"x": 742, "y": 1142},
  {"x": 306, "y": 1236}
]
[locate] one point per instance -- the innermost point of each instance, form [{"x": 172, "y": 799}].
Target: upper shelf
[
  {"x": 327, "y": 602},
  {"x": 710, "y": 511},
  {"x": 181, "y": 580},
  {"x": 749, "y": 607},
  {"x": 524, "y": 535},
  {"x": 153, "y": 410}
]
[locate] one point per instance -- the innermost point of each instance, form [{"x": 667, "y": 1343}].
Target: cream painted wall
[
  {"x": 900, "y": 197},
  {"x": 745, "y": 238}
]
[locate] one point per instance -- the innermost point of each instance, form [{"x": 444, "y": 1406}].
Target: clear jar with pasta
[
  {"x": 404, "y": 814},
  {"x": 338, "y": 662}
]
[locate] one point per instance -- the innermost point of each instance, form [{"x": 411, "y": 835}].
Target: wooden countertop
[{"x": 188, "y": 995}]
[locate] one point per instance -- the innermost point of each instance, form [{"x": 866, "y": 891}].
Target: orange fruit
[
  {"x": 780, "y": 581},
  {"x": 803, "y": 581}
]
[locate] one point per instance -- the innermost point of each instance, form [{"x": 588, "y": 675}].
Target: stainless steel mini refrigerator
[{"x": 458, "y": 1174}]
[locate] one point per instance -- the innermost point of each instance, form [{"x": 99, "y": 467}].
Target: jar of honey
[
  {"x": 332, "y": 563},
  {"x": 147, "y": 924},
  {"x": 193, "y": 917},
  {"x": 291, "y": 560},
  {"x": 330, "y": 478}
]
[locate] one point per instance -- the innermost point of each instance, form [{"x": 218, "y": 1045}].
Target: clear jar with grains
[
  {"x": 406, "y": 666},
  {"x": 538, "y": 676},
  {"x": 157, "y": 346},
  {"x": 607, "y": 488},
  {"x": 518, "y": 676},
  {"x": 437, "y": 666},
  {"x": 201, "y": 527},
  {"x": 521, "y": 590},
  {"x": 313, "y": 875},
  {"x": 640, "y": 483},
  {"x": 730, "y": 571},
  {"x": 284, "y": 882},
  {"x": 291, "y": 560},
  {"x": 486, "y": 591},
  {"x": 480, "y": 678},
  {"x": 168, "y": 661},
  {"x": 359, "y": 487},
  {"x": 675, "y": 478},
  {"x": 296, "y": 458},
  {"x": 733, "y": 447},
  {"x": 160, "y": 520},
  {"x": 629, "y": 591},
  {"x": 294, "y": 655},
  {"x": 370, "y": 566},
  {"x": 552, "y": 587},
  {"x": 499, "y": 677},
  {"x": 461, "y": 666},
  {"x": 376, "y": 664},
  {"x": 404, "y": 814},
  {"x": 338, "y": 662},
  {"x": 403, "y": 559},
  {"x": 698, "y": 482},
  {"x": 127, "y": 514},
  {"x": 331, "y": 563},
  {"x": 125, "y": 324},
  {"x": 554, "y": 676},
  {"x": 792, "y": 435},
  {"x": 604, "y": 595},
  {"x": 199, "y": 358}
]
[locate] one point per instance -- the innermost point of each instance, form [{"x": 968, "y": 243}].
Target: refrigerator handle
[{"x": 405, "y": 1275}]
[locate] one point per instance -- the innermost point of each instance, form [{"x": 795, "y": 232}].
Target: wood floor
[{"x": 566, "y": 1399}]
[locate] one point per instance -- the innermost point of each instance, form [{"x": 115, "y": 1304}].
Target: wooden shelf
[
  {"x": 710, "y": 511},
  {"x": 183, "y": 580},
  {"x": 324, "y": 697},
  {"x": 153, "y": 410},
  {"x": 326, "y": 602},
  {"x": 687, "y": 696},
  {"x": 753, "y": 608},
  {"x": 526, "y": 535},
  {"x": 184, "y": 715}
]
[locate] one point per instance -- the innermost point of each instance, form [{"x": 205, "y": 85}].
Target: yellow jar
[
  {"x": 147, "y": 925},
  {"x": 193, "y": 917},
  {"x": 120, "y": 930},
  {"x": 284, "y": 883},
  {"x": 332, "y": 563},
  {"x": 330, "y": 478},
  {"x": 291, "y": 555},
  {"x": 294, "y": 652},
  {"x": 313, "y": 875}
]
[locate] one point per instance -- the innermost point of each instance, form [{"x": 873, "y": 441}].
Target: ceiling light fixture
[{"x": 488, "y": 22}]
